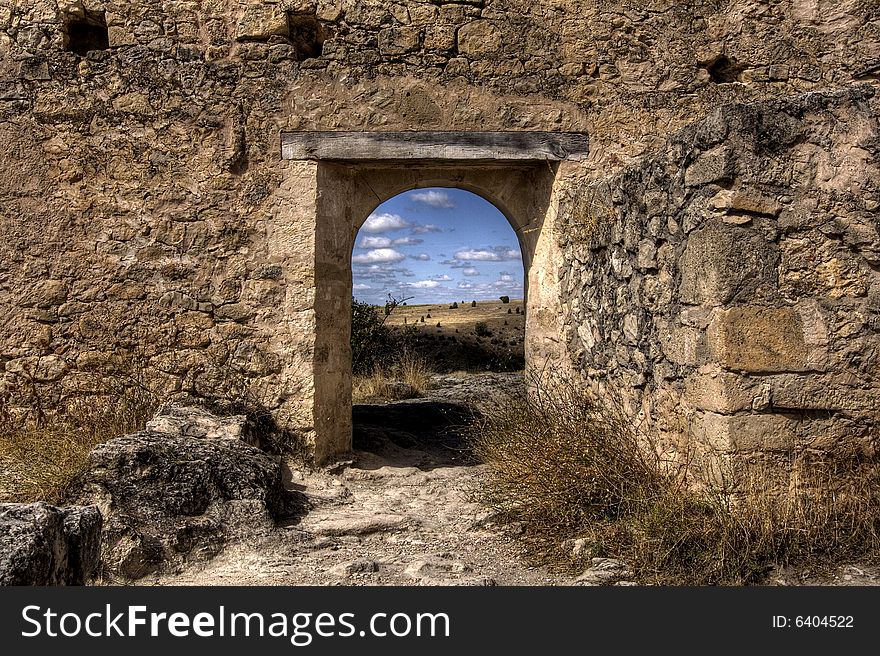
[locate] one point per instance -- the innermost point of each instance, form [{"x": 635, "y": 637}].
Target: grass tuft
[{"x": 406, "y": 377}]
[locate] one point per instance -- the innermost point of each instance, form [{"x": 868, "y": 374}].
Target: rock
[
  {"x": 714, "y": 165},
  {"x": 341, "y": 523},
  {"x": 605, "y": 571},
  {"x": 260, "y": 22},
  {"x": 579, "y": 547},
  {"x": 82, "y": 526},
  {"x": 170, "y": 498},
  {"x": 435, "y": 566},
  {"x": 479, "y": 37},
  {"x": 192, "y": 421},
  {"x": 398, "y": 40},
  {"x": 356, "y": 567},
  {"x": 44, "y": 545}
]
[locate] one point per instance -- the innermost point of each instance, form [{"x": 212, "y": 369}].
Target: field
[{"x": 485, "y": 337}]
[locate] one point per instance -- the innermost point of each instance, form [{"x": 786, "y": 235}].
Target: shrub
[
  {"x": 369, "y": 336},
  {"x": 454, "y": 306},
  {"x": 473, "y": 304},
  {"x": 482, "y": 330},
  {"x": 504, "y": 299},
  {"x": 41, "y": 460}
]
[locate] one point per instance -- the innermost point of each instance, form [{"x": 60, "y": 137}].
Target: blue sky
[{"x": 436, "y": 246}]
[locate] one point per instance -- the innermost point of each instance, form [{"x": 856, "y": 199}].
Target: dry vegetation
[
  {"x": 42, "y": 457},
  {"x": 562, "y": 469},
  {"x": 406, "y": 377}
]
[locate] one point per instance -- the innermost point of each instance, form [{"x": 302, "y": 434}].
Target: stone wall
[
  {"x": 727, "y": 290},
  {"x": 148, "y": 224}
]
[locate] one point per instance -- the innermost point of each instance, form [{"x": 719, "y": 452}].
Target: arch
[
  {"x": 346, "y": 195},
  {"x": 514, "y": 218},
  {"x": 334, "y": 180}
]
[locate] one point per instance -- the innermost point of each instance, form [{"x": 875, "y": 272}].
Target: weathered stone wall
[
  {"x": 146, "y": 215},
  {"x": 727, "y": 290}
]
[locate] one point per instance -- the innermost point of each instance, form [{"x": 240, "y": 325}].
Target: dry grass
[
  {"x": 561, "y": 468},
  {"x": 407, "y": 377},
  {"x": 43, "y": 458}
]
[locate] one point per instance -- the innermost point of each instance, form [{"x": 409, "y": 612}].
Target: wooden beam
[{"x": 458, "y": 146}]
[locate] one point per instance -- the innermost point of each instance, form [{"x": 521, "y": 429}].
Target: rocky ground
[{"x": 402, "y": 511}]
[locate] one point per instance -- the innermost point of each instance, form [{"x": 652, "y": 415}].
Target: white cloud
[
  {"x": 361, "y": 287},
  {"x": 496, "y": 254},
  {"x": 442, "y": 277},
  {"x": 421, "y": 257},
  {"x": 505, "y": 277},
  {"x": 379, "y": 256},
  {"x": 438, "y": 199},
  {"x": 465, "y": 285},
  {"x": 375, "y": 242},
  {"x": 407, "y": 241},
  {"x": 428, "y": 227},
  {"x": 385, "y": 222},
  {"x": 471, "y": 271},
  {"x": 421, "y": 284}
]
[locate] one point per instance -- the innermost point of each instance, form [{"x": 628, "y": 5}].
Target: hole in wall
[
  {"x": 724, "y": 70},
  {"x": 87, "y": 32},
  {"x": 307, "y": 35}
]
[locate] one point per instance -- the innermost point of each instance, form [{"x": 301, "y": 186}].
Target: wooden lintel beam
[{"x": 457, "y": 146}]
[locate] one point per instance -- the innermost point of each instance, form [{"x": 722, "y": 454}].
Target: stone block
[
  {"x": 399, "y": 40},
  {"x": 724, "y": 392},
  {"x": 758, "y": 339},
  {"x": 261, "y": 22},
  {"x": 745, "y": 433},
  {"x": 723, "y": 263},
  {"x": 831, "y": 392},
  {"x": 46, "y": 293},
  {"x": 683, "y": 345},
  {"x": 479, "y": 38},
  {"x": 120, "y": 36},
  {"x": 746, "y": 200},
  {"x": 647, "y": 258},
  {"x": 714, "y": 165}
]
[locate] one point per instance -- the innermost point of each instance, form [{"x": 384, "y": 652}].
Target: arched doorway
[{"x": 340, "y": 187}]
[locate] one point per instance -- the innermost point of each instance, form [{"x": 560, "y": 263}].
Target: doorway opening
[
  {"x": 341, "y": 179},
  {"x": 438, "y": 321}
]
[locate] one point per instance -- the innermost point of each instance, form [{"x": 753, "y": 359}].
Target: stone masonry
[
  {"x": 726, "y": 291},
  {"x": 719, "y": 280}
]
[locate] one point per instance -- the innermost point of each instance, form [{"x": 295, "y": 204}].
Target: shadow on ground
[{"x": 422, "y": 433}]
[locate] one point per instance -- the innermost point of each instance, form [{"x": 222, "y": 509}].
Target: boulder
[
  {"x": 169, "y": 498},
  {"x": 44, "y": 545}
]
